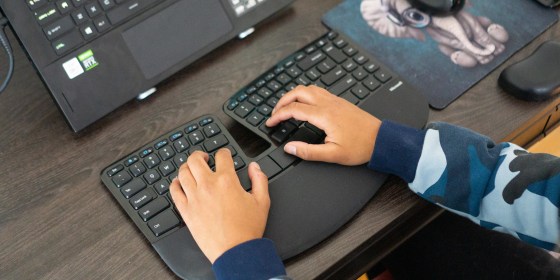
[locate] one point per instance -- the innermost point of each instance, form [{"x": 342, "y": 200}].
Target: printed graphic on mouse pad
[{"x": 441, "y": 56}]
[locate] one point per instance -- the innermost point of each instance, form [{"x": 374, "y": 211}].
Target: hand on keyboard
[
  {"x": 350, "y": 131},
  {"x": 219, "y": 213}
]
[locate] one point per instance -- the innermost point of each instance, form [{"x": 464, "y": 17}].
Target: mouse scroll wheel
[{"x": 416, "y": 18}]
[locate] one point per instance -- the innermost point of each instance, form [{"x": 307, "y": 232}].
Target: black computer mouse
[
  {"x": 536, "y": 77},
  {"x": 438, "y": 7}
]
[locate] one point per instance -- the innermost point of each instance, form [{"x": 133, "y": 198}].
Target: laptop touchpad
[{"x": 176, "y": 33}]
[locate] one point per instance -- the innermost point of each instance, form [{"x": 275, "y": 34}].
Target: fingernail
[
  {"x": 290, "y": 149},
  {"x": 257, "y": 166}
]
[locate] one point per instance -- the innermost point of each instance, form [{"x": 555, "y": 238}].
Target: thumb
[
  {"x": 312, "y": 152},
  {"x": 259, "y": 184}
]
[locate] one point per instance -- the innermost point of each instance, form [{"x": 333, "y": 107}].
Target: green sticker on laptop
[{"x": 87, "y": 60}]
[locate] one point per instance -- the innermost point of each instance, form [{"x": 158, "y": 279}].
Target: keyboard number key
[
  {"x": 211, "y": 130},
  {"x": 152, "y": 161},
  {"x": 215, "y": 143}
]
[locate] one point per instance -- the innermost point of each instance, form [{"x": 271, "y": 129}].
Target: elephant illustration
[{"x": 467, "y": 39}]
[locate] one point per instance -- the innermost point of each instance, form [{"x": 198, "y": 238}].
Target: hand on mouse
[
  {"x": 219, "y": 213},
  {"x": 350, "y": 131}
]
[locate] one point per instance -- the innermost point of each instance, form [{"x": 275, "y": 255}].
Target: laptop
[{"x": 95, "y": 55}]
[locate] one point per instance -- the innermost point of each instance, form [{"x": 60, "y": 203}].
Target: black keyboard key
[
  {"x": 371, "y": 67},
  {"x": 335, "y": 53},
  {"x": 267, "y": 130},
  {"x": 361, "y": 59},
  {"x": 166, "y": 168},
  {"x": 160, "y": 144},
  {"x": 232, "y": 150},
  {"x": 101, "y": 24},
  {"x": 194, "y": 149},
  {"x": 206, "y": 121},
  {"x": 360, "y": 91},
  {"x": 35, "y": 4},
  {"x": 163, "y": 222},
  {"x": 137, "y": 169},
  {"x": 191, "y": 128},
  {"x": 312, "y": 60},
  {"x": 244, "y": 179},
  {"x": 371, "y": 83},
  {"x": 244, "y": 109},
  {"x": 181, "y": 145},
  {"x": 152, "y": 176},
  {"x": 67, "y": 42},
  {"x": 78, "y": 3},
  {"x": 88, "y": 31},
  {"x": 152, "y": 161},
  {"x": 313, "y": 74},
  {"x": 272, "y": 102},
  {"x": 146, "y": 152},
  {"x": 332, "y": 35},
  {"x": 340, "y": 43},
  {"x": 162, "y": 187},
  {"x": 294, "y": 71},
  {"x": 256, "y": 99},
  {"x": 265, "y": 110},
  {"x": 282, "y": 158},
  {"x": 133, "y": 188},
  {"x": 232, "y": 104},
  {"x": 255, "y": 119},
  {"x": 64, "y": 6},
  {"x": 46, "y": 14},
  {"x": 180, "y": 159},
  {"x": 93, "y": 10},
  {"x": 273, "y": 86},
  {"x": 260, "y": 83},
  {"x": 121, "y": 178},
  {"x": 196, "y": 138},
  {"x": 211, "y": 130},
  {"x": 58, "y": 28},
  {"x": 176, "y": 136},
  {"x": 283, "y": 132},
  {"x": 116, "y": 169},
  {"x": 269, "y": 167},
  {"x": 284, "y": 78},
  {"x": 343, "y": 85},
  {"x": 350, "y": 51},
  {"x": 333, "y": 76},
  {"x": 326, "y": 66},
  {"x": 265, "y": 92},
  {"x": 106, "y": 4},
  {"x": 350, "y": 65},
  {"x": 238, "y": 163},
  {"x": 215, "y": 143},
  {"x": 360, "y": 74},
  {"x": 303, "y": 81},
  {"x": 382, "y": 76},
  {"x": 153, "y": 208},
  {"x": 166, "y": 153},
  {"x": 142, "y": 198},
  {"x": 131, "y": 160}
]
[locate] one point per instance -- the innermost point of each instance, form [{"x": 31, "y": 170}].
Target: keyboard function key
[
  {"x": 114, "y": 170},
  {"x": 191, "y": 128},
  {"x": 146, "y": 152},
  {"x": 175, "y": 136},
  {"x": 206, "y": 121},
  {"x": 160, "y": 144},
  {"x": 35, "y": 4},
  {"x": 131, "y": 160}
]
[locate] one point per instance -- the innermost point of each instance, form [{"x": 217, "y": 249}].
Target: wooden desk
[{"x": 57, "y": 221}]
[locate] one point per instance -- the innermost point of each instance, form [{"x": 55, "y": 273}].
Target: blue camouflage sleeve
[{"x": 498, "y": 186}]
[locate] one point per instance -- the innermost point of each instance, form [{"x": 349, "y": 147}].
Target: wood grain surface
[{"x": 57, "y": 220}]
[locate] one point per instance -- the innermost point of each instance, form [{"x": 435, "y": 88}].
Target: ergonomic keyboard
[
  {"x": 310, "y": 200},
  {"x": 69, "y": 24}
]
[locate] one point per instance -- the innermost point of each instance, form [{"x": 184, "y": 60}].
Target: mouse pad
[{"x": 441, "y": 56}]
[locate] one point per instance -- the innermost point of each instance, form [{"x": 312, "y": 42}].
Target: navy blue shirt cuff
[
  {"x": 397, "y": 150},
  {"x": 254, "y": 259}
]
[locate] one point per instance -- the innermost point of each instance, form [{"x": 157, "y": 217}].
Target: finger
[
  {"x": 298, "y": 111},
  {"x": 259, "y": 185},
  {"x": 198, "y": 164},
  {"x": 186, "y": 179},
  {"x": 224, "y": 161},
  {"x": 327, "y": 152},
  {"x": 178, "y": 196},
  {"x": 301, "y": 94}
]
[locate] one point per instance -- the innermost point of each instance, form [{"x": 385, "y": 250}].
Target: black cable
[{"x": 6, "y": 44}]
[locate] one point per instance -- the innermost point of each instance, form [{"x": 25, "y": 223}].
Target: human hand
[
  {"x": 219, "y": 213},
  {"x": 350, "y": 131}
]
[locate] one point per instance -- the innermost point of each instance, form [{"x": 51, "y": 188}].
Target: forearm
[{"x": 499, "y": 186}]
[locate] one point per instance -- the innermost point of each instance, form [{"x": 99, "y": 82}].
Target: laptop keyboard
[
  {"x": 69, "y": 24},
  {"x": 140, "y": 181}
]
